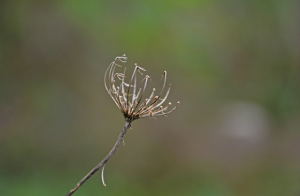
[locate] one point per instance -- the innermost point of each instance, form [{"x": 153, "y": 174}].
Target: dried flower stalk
[{"x": 130, "y": 102}]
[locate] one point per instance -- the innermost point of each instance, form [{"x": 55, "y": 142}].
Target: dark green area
[{"x": 233, "y": 65}]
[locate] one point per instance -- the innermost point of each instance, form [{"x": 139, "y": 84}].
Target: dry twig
[{"x": 130, "y": 104}]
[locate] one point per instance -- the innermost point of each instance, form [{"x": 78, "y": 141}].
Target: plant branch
[{"x": 110, "y": 154}]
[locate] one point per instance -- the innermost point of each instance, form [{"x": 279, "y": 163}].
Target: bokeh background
[{"x": 234, "y": 66}]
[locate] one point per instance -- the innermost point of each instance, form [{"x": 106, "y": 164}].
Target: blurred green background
[{"x": 234, "y": 66}]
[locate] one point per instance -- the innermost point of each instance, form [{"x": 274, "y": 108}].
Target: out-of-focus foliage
[{"x": 234, "y": 66}]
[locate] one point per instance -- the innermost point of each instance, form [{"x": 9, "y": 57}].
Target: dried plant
[{"x": 130, "y": 101}]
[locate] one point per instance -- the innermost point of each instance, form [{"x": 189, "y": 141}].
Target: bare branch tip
[{"x": 102, "y": 175}]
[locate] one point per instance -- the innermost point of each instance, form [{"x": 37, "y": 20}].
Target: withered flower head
[{"x": 130, "y": 100}]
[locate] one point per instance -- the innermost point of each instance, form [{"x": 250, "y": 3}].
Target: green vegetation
[{"x": 231, "y": 64}]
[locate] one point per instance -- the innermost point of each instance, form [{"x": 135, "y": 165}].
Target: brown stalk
[{"x": 110, "y": 154}]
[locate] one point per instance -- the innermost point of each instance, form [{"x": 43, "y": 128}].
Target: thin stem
[{"x": 110, "y": 154}]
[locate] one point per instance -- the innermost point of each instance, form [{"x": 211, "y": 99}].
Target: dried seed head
[{"x": 126, "y": 97}]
